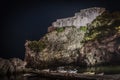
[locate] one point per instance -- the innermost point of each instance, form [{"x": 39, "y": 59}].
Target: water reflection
[
  {"x": 20, "y": 77},
  {"x": 36, "y": 78},
  {"x": 101, "y": 69},
  {"x": 97, "y": 70}
]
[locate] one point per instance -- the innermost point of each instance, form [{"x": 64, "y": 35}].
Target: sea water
[{"x": 104, "y": 70}]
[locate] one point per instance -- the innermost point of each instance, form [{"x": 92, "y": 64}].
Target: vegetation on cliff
[
  {"x": 37, "y": 46},
  {"x": 83, "y": 28},
  {"x": 104, "y": 25},
  {"x": 60, "y": 29}
]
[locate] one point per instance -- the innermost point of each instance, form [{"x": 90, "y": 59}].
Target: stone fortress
[{"x": 82, "y": 18}]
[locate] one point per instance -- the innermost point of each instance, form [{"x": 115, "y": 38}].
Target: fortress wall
[{"x": 81, "y": 18}]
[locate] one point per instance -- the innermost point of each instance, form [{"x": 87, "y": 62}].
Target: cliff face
[
  {"x": 94, "y": 44},
  {"x": 61, "y": 47},
  {"x": 81, "y": 18},
  {"x": 102, "y": 42}
]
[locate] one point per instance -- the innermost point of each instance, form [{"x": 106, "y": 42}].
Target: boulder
[{"x": 10, "y": 66}]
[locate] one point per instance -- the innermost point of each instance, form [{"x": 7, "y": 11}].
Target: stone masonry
[{"x": 82, "y": 18}]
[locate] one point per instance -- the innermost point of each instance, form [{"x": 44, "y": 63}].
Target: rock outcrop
[
  {"x": 102, "y": 42},
  {"x": 94, "y": 44},
  {"x": 60, "y": 46},
  {"x": 10, "y": 66},
  {"x": 82, "y": 18}
]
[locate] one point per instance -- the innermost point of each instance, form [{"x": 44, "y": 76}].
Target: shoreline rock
[{"x": 11, "y": 66}]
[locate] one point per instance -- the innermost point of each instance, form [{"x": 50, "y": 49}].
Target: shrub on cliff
[
  {"x": 83, "y": 28},
  {"x": 60, "y": 29},
  {"x": 36, "y": 46},
  {"x": 102, "y": 26}
]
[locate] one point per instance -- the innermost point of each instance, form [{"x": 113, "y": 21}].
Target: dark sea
[
  {"x": 107, "y": 70},
  {"x": 36, "y": 78},
  {"x": 25, "y": 78}
]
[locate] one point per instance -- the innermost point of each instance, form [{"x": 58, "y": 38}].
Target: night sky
[{"x": 28, "y": 20}]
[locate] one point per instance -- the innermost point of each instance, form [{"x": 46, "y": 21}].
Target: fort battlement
[{"x": 82, "y": 18}]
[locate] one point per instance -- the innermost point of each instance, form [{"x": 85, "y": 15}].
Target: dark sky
[{"x": 28, "y": 20}]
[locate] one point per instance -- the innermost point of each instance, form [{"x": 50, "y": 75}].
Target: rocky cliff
[
  {"x": 60, "y": 46},
  {"x": 88, "y": 45}
]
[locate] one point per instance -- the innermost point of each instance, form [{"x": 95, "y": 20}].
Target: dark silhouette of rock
[{"x": 10, "y": 66}]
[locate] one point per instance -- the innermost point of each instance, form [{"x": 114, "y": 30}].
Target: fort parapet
[{"x": 81, "y": 18}]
